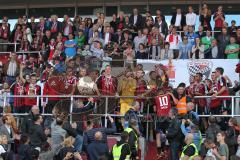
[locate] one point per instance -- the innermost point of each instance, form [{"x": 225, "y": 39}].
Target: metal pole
[
  {"x": 106, "y": 110},
  {"x": 4, "y": 102},
  {"x": 147, "y": 122},
  {"x": 15, "y": 47},
  {"x": 232, "y": 106},
  {"x": 71, "y": 109}
]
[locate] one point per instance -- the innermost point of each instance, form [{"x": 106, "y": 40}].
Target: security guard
[
  {"x": 190, "y": 150},
  {"x": 133, "y": 132},
  {"x": 121, "y": 150}
]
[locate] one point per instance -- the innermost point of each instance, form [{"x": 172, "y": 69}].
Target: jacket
[
  {"x": 97, "y": 149},
  {"x": 174, "y": 131},
  {"x": 37, "y": 136},
  {"x": 211, "y": 132},
  {"x": 183, "y": 20},
  {"x": 125, "y": 150},
  {"x": 27, "y": 123}
]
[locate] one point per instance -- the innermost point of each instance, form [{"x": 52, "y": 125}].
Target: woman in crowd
[{"x": 198, "y": 50}]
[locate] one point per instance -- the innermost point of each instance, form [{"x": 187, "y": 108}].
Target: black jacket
[
  {"x": 139, "y": 22},
  {"x": 37, "y": 136},
  {"x": 183, "y": 20},
  {"x": 97, "y": 150},
  {"x": 164, "y": 27},
  {"x": 211, "y": 132},
  {"x": 24, "y": 152},
  {"x": 27, "y": 123},
  {"x": 174, "y": 132},
  {"x": 131, "y": 142}
]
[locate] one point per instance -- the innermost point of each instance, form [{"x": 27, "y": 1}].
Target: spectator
[
  {"x": 198, "y": 50},
  {"x": 136, "y": 20},
  {"x": 190, "y": 150},
  {"x": 191, "y": 35},
  {"x": 231, "y": 136},
  {"x": 191, "y": 17},
  {"x": 205, "y": 18},
  {"x": 11, "y": 69},
  {"x": 207, "y": 40},
  {"x": 185, "y": 49},
  {"x": 161, "y": 25},
  {"x": 233, "y": 28},
  {"x": 154, "y": 50},
  {"x": 132, "y": 113},
  {"x": 219, "y": 18},
  {"x": 200, "y": 32},
  {"x": 222, "y": 152},
  {"x": 174, "y": 134},
  {"x": 232, "y": 50},
  {"x": 97, "y": 50},
  {"x": 67, "y": 151},
  {"x": 129, "y": 55},
  {"x": 121, "y": 150},
  {"x": 24, "y": 150},
  {"x": 80, "y": 39},
  {"x": 214, "y": 50},
  {"x": 212, "y": 130},
  {"x": 70, "y": 46},
  {"x": 139, "y": 39},
  {"x": 28, "y": 121},
  {"x": 90, "y": 133},
  {"x": 194, "y": 130},
  {"x": 166, "y": 52},
  {"x": 237, "y": 153},
  {"x": 209, "y": 144},
  {"x": 97, "y": 149},
  {"x": 142, "y": 52},
  {"x": 38, "y": 136},
  {"x": 178, "y": 20},
  {"x": 174, "y": 40}
]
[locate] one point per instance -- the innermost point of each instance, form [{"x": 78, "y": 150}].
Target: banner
[{"x": 181, "y": 70}]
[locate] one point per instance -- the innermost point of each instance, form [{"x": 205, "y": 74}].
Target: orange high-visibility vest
[{"x": 182, "y": 105}]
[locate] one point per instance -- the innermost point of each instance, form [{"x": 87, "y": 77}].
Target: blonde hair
[
  {"x": 1, "y": 138},
  {"x": 68, "y": 142}
]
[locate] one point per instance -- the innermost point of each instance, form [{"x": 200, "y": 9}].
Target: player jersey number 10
[{"x": 163, "y": 102}]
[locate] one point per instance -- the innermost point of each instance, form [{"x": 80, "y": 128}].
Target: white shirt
[
  {"x": 178, "y": 20},
  {"x": 8, "y": 128},
  {"x": 160, "y": 27},
  {"x": 2, "y": 150},
  {"x": 106, "y": 39},
  {"x": 135, "y": 19},
  {"x": 12, "y": 67},
  {"x": 175, "y": 43},
  {"x": 191, "y": 19},
  {"x": 66, "y": 30}
]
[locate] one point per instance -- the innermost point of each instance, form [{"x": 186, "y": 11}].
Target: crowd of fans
[{"x": 77, "y": 58}]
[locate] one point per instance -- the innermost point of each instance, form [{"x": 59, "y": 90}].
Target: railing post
[
  {"x": 232, "y": 99},
  {"x": 15, "y": 46},
  {"x": 4, "y": 102},
  {"x": 38, "y": 102},
  {"x": 106, "y": 110},
  {"x": 71, "y": 109},
  {"x": 147, "y": 122}
]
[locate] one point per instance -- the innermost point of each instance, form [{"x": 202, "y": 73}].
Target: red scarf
[{"x": 171, "y": 38}]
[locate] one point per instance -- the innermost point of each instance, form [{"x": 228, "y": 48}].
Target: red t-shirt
[
  {"x": 31, "y": 89},
  {"x": 163, "y": 105}
]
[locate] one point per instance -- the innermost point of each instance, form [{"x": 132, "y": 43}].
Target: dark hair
[
  {"x": 233, "y": 120},
  {"x": 212, "y": 120},
  {"x": 59, "y": 121},
  {"x": 124, "y": 136},
  {"x": 200, "y": 74},
  {"x": 182, "y": 85},
  {"x": 220, "y": 69},
  {"x": 24, "y": 138},
  {"x": 36, "y": 117},
  {"x": 222, "y": 133}
]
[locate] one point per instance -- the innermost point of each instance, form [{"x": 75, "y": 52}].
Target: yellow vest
[
  {"x": 130, "y": 130},
  {"x": 182, "y": 105},
  {"x": 195, "y": 154},
  {"x": 117, "y": 150}
]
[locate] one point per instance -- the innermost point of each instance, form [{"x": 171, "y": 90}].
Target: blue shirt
[
  {"x": 185, "y": 49},
  {"x": 191, "y": 38},
  {"x": 70, "y": 51}
]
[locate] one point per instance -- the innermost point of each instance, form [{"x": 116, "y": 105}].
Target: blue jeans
[
  {"x": 78, "y": 143},
  {"x": 174, "y": 149}
]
